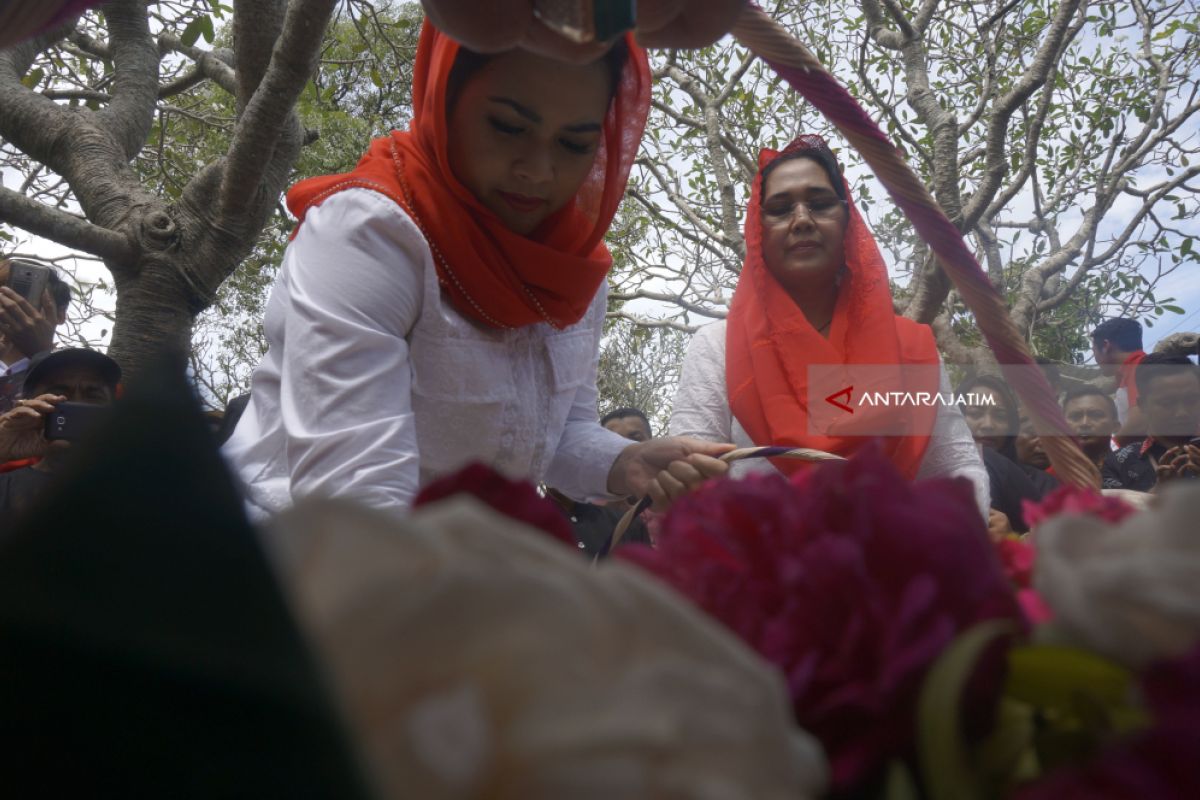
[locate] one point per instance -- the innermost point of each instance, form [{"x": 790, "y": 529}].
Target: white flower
[
  {"x": 477, "y": 658},
  {"x": 1130, "y": 591}
]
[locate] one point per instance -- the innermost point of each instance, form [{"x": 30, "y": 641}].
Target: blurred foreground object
[
  {"x": 145, "y": 647},
  {"x": 1127, "y": 590},
  {"x": 21, "y": 19},
  {"x": 480, "y": 658}
]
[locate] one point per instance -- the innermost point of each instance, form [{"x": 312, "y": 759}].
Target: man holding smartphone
[
  {"x": 27, "y": 324},
  {"x": 63, "y": 392}
]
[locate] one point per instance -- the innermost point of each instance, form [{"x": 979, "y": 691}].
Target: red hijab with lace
[
  {"x": 770, "y": 345},
  {"x": 491, "y": 274}
]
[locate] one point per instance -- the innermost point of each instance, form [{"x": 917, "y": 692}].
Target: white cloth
[
  {"x": 1121, "y": 398},
  {"x": 702, "y": 410},
  {"x": 20, "y": 365},
  {"x": 373, "y": 386}
]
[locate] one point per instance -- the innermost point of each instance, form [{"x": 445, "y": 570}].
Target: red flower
[
  {"x": 850, "y": 580},
  {"x": 517, "y": 499},
  {"x": 1156, "y": 764},
  {"x": 1068, "y": 499},
  {"x": 1016, "y": 556}
]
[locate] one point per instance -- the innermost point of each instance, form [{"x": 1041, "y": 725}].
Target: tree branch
[
  {"x": 30, "y": 122},
  {"x": 902, "y": 22},
  {"x": 257, "y": 27},
  {"x": 677, "y": 299},
  {"x": 129, "y": 116},
  {"x": 705, "y": 240},
  {"x": 209, "y": 63},
  {"x": 925, "y": 16},
  {"x": 652, "y": 323},
  {"x": 270, "y": 111},
  {"x": 61, "y": 227},
  {"x": 997, "y": 134},
  {"x": 884, "y": 36}
]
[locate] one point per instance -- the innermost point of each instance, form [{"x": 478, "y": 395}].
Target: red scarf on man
[
  {"x": 770, "y": 345},
  {"x": 499, "y": 278}
]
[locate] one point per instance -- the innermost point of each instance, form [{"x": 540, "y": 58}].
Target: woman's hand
[
  {"x": 667, "y": 468},
  {"x": 21, "y": 427}
]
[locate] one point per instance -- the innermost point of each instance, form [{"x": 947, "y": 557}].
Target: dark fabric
[
  {"x": 1043, "y": 482},
  {"x": 18, "y": 490},
  {"x": 1130, "y": 468},
  {"x": 1009, "y": 486},
  {"x": 10, "y": 389},
  {"x": 145, "y": 647},
  {"x": 594, "y": 525}
]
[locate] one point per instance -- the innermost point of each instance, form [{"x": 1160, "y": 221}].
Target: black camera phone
[
  {"x": 72, "y": 421},
  {"x": 29, "y": 280}
]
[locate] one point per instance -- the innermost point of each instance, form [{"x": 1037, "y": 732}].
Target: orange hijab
[
  {"x": 497, "y": 277},
  {"x": 769, "y": 345}
]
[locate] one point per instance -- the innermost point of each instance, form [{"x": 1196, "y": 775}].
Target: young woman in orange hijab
[
  {"x": 813, "y": 292},
  {"x": 443, "y": 302}
]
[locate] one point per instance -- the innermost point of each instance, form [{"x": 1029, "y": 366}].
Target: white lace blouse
[
  {"x": 373, "y": 386},
  {"x": 702, "y": 410}
]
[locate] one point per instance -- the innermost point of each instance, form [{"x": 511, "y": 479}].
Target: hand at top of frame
[{"x": 504, "y": 24}]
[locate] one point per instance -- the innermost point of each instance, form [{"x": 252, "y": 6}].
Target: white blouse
[
  {"x": 373, "y": 386},
  {"x": 702, "y": 410}
]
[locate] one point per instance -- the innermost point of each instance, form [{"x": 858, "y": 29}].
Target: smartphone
[
  {"x": 29, "y": 280},
  {"x": 72, "y": 421}
]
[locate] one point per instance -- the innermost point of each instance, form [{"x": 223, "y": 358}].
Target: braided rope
[{"x": 771, "y": 42}]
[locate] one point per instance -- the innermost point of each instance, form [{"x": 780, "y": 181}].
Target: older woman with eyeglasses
[{"x": 813, "y": 292}]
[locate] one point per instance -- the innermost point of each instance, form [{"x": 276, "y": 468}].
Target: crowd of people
[{"x": 443, "y": 303}]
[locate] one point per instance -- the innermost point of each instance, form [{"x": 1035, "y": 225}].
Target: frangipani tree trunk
[{"x": 167, "y": 252}]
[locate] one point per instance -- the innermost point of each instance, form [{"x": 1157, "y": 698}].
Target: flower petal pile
[{"x": 848, "y": 578}]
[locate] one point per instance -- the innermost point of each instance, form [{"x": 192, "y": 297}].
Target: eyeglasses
[{"x": 818, "y": 208}]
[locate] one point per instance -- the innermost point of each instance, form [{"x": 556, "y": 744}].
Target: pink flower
[
  {"x": 1068, "y": 499},
  {"x": 518, "y": 500},
  {"x": 850, "y": 580},
  {"x": 1156, "y": 764},
  {"x": 1016, "y": 557}
]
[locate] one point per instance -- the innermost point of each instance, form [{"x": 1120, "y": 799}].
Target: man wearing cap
[{"x": 73, "y": 375}]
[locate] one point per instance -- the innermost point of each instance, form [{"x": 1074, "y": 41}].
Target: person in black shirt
[
  {"x": 1092, "y": 414},
  {"x": 1168, "y": 392},
  {"x": 993, "y": 420},
  {"x": 594, "y": 524}
]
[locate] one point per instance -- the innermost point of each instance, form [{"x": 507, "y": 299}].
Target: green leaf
[
  {"x": 192, "y": 32},
  {"x": 33, "y": 78},
  {"x": 1172, "y": 309},
  {"x": 900, "y": 784},
  {"x": 1052, "y": 676},
  {"x": 945, "y": 764},
  {"x": 1007, "y": 756},
  {"x": 206, "y": 28}
]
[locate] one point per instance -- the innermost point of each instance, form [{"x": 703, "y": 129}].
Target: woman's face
[
  {"x": 987, "y": 417},
  {"x": 804, "y": 224},
  {"x": 523, "y": 134}
]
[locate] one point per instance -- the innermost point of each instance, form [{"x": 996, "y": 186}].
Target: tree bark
[{"x": 167, "y": 258}]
